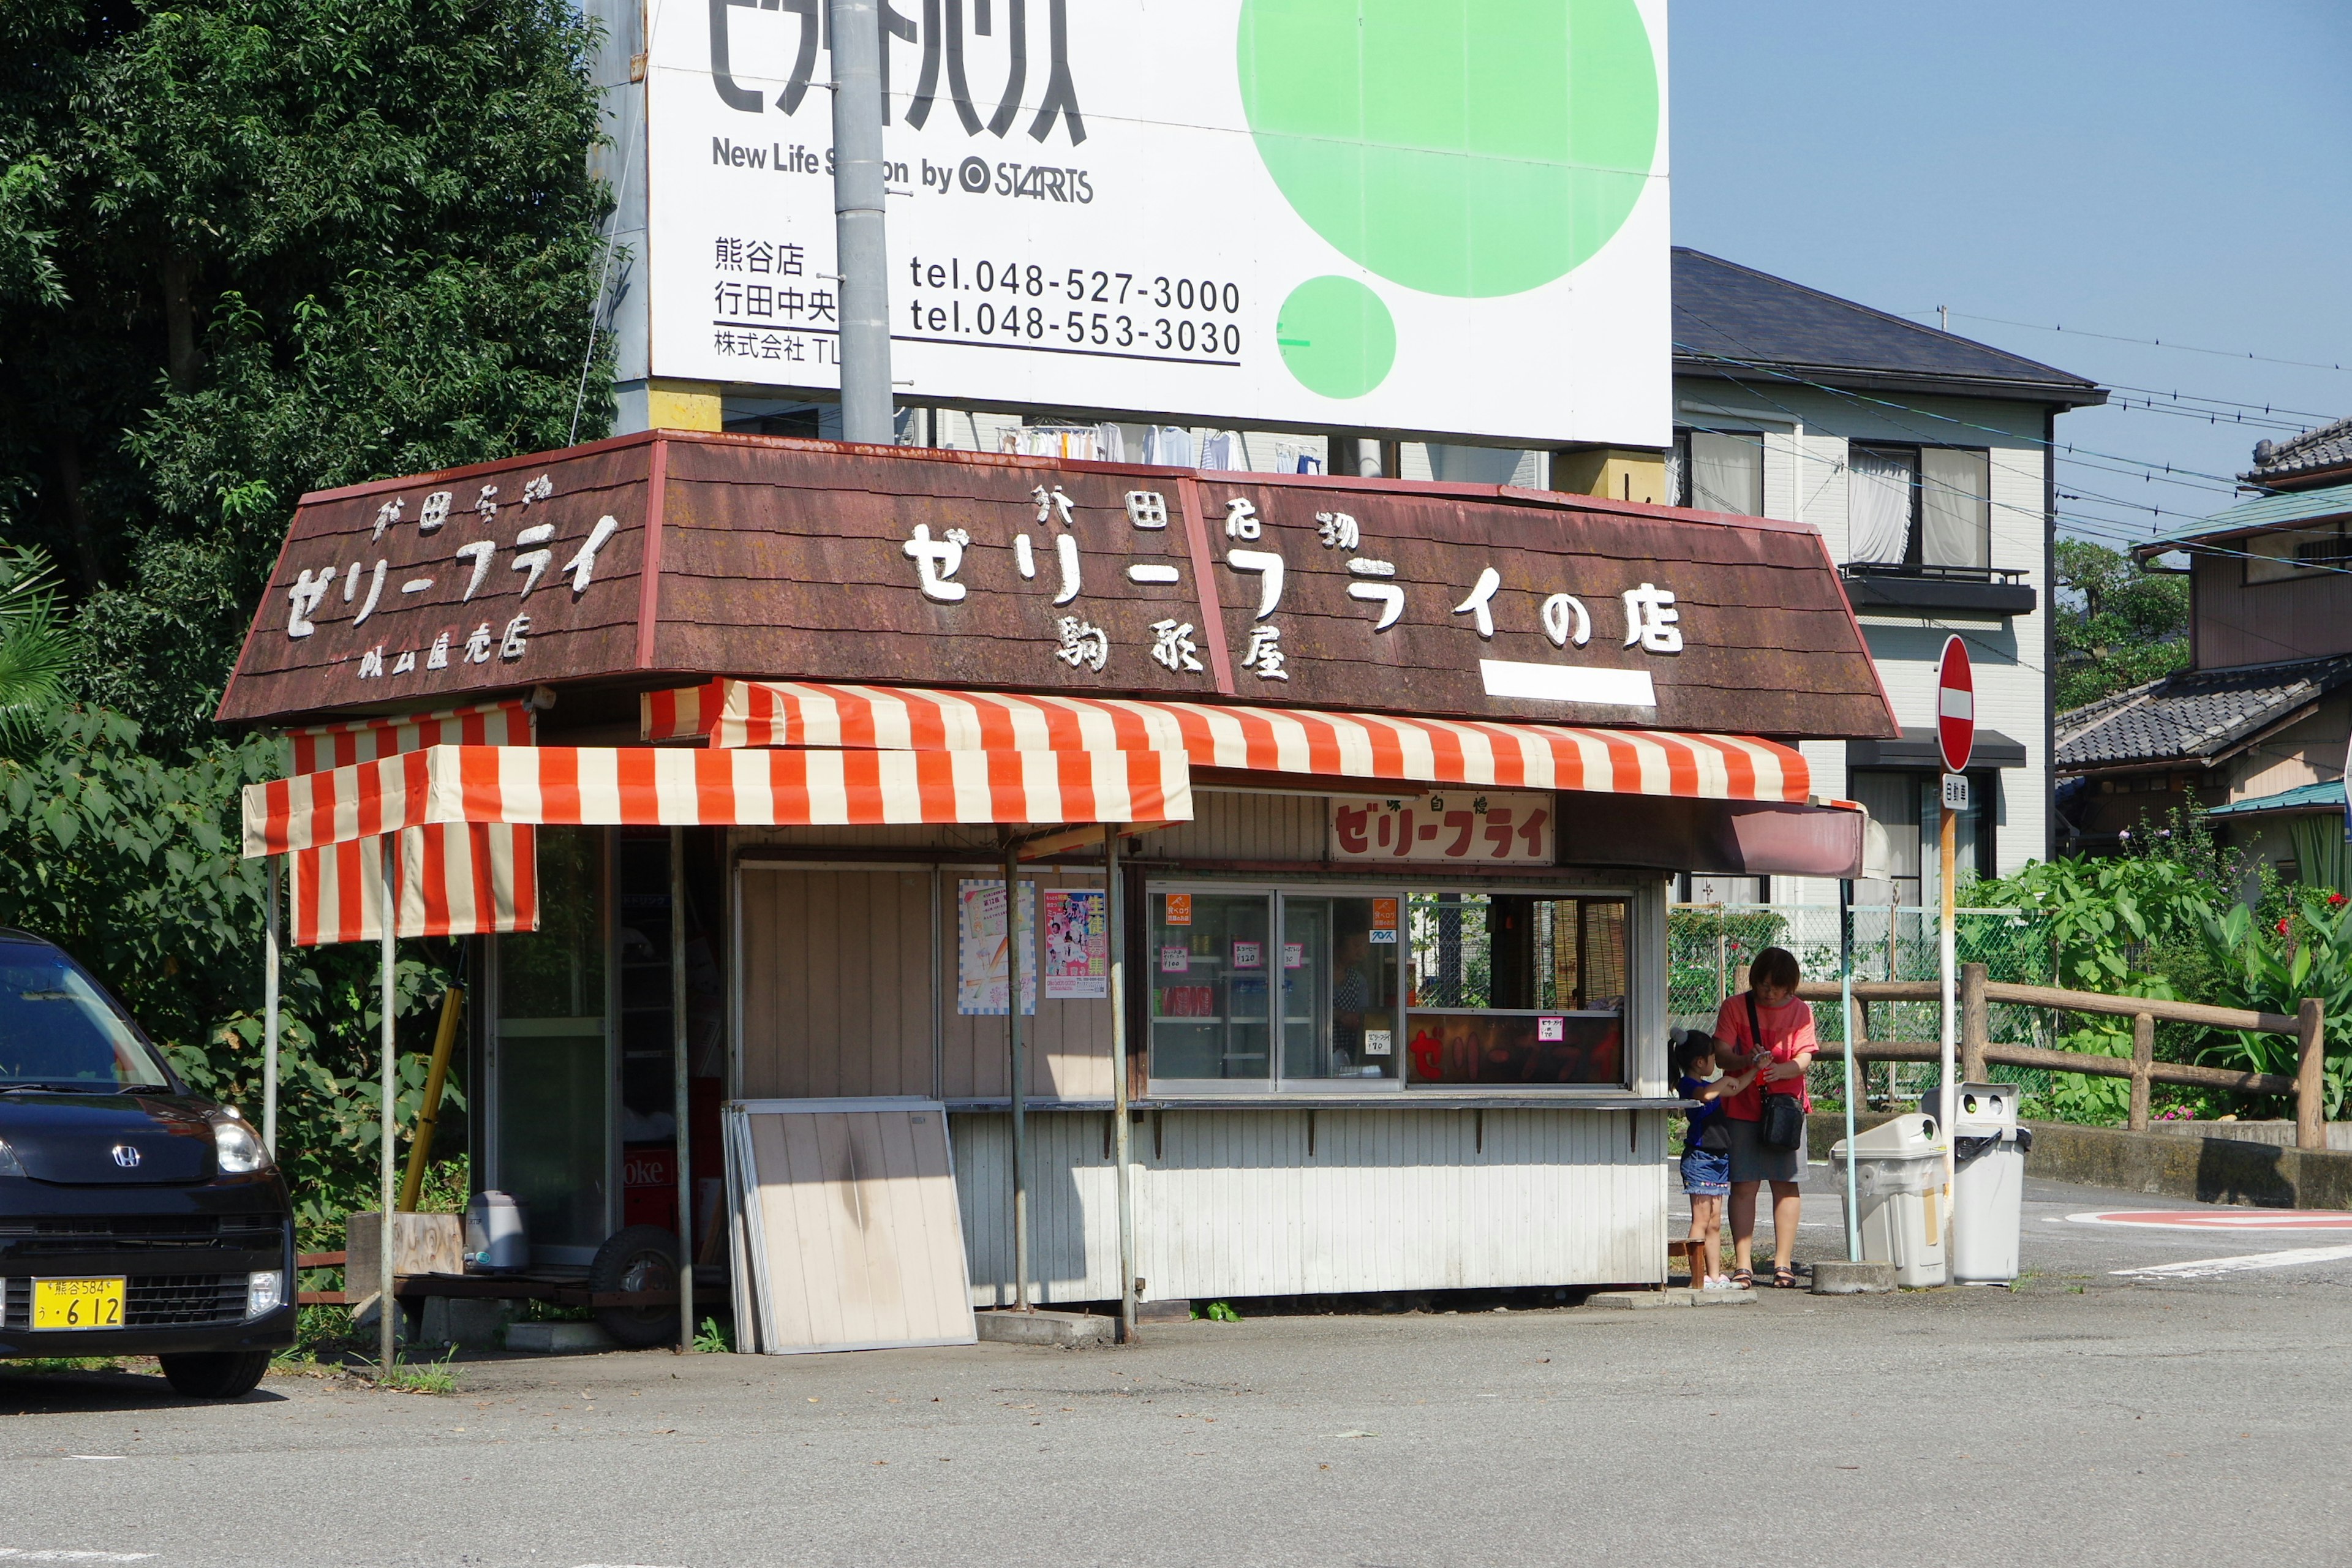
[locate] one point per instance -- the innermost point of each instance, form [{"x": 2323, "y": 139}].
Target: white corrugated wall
[{"x": 1231, "y": 1203}]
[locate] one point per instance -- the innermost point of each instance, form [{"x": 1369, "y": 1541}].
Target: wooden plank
[
  {"x": 2067, "y": 1001},
  {"x": 2084, "y": 1062}
]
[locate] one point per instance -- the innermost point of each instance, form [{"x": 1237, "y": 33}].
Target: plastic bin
[
  {"x": 498, "y": 1234},
  {"x": 1898, "y": 1179},
  {"x": 1988, "y": 1185}
]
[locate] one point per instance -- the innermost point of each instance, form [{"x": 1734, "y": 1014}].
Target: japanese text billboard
[{"x": 1443, "y": 215}]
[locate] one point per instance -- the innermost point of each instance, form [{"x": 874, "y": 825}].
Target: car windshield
[{"x": 58, "y": 1029}]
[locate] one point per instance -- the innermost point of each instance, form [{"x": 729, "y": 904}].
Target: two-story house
[
  {"x": 2256, "y": 728},
  {"x": 1925, "y": 460}
]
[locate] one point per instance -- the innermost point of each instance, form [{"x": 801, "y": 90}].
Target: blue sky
[{"x": 2155, "y": 169}]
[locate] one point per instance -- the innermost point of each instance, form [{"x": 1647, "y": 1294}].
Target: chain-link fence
[{"x": 1710, "y": 946}]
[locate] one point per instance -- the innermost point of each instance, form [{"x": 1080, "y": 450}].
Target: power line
[
  {"x": 1777, "y": 373},
  {"x": 2268, "y": 408},
  {"x": 2210, "y": 416},
  {"x": 2144, "y": 342}
]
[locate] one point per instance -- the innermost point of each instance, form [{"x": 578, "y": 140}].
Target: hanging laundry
[{"x": 1168, "y": 445}]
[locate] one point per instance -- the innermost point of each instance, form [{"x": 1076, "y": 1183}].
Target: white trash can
[
  {"x": 1898, "y": 1179},
  {"x": 1988, "y": 1185}
]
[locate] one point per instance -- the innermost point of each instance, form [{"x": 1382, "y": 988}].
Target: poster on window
[
  {"x": 983, "y": 955},
  {"x": 1460, "y": 827},
  {"x": 1077, "y": 943}
]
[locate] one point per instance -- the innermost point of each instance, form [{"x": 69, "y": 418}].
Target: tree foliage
[
  {"x": 2115, "y": 623},
  {"x": 252, "y": 247}
]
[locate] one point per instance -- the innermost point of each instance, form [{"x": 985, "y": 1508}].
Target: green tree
[
  {"x": 2116, "y": 624},
  {"x": 252, "y": 247}
]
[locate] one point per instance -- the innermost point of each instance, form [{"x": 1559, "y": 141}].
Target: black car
[{"x": 135, "y": 1219}]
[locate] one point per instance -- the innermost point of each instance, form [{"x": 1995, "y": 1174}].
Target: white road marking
[
  {"x": 2212, "y": 1267},
  {"x": 96, "y": 1456},
  {"x": 2218, "y": 1219},
  {"x": 16, "y": 1554}
]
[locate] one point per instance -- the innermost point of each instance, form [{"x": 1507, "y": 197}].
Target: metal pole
[
  {"x": 1947, "y": 966},
  {"x": 858, "y": 178},
  {"x": 1845, "y": 1018},
  {"x": 680, "y": 1098},
  {"x": 269, "y": 1018},
  {"x": 1121, "y": 1178},
  {"x": 1020, "y": 1067},
  {"x": 385, "y": 1304}
]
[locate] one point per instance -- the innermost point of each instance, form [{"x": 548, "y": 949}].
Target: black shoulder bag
[{"x": 1783, "y": 1122}]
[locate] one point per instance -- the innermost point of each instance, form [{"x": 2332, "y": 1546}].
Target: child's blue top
[{"x": 1691, "y": 1088}]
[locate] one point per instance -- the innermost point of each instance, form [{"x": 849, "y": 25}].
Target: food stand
[{"x": 1364, "y": 793}]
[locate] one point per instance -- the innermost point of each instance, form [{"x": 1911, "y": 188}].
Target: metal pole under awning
[
  {"x": 678, "y": 1088},
  {"x": 1019, "y": 1068},
  {"x": 1121, "y": 1177}
]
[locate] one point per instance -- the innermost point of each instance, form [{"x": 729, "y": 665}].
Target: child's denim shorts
[{"x": 1707, "y": 1173}]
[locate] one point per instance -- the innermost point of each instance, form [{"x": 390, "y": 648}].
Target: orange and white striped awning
[
  {"x": 642, "y": 787},
  {"x": 455, "y": 879},
  {"x": 1376, "y": 747}
]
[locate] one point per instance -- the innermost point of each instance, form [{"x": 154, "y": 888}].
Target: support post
[
  {"x": 679, "y": 1090},
  {"x": 1121, "y": 1177},
  {"x": 2143, "y": 1057},
  {"x": 2310, "y": 1088},
  {"x": 270, "y": 961},
  {"x": 859, "y": 173},
  {"x": 385, "y": 1305},
  {"x": 429, "y": 1115},
  {"x": 1946, "y": 953},
  {"x": 1846, "y": 1025},
  {"x": 1020, "y": 1069},
  {"x": 1976, "y": 1022}
]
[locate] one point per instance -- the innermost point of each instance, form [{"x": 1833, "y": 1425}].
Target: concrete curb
[
  {"x": 1677, "y": 1296},
  {"x": 1843, "y": 1278},
  {"x": 1064, "y": 1329},
  {"x": 559, "y": 1339},
  {"x": 2205, "y": 1170}
]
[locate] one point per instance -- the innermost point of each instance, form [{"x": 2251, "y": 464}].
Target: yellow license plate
[{"x": 77, "y": 1303}]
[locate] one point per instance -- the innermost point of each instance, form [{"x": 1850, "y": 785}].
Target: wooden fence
[{"x": 1977, "y": 994}]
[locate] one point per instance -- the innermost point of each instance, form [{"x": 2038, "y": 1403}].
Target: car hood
[{"x": 108, "y": 1139}]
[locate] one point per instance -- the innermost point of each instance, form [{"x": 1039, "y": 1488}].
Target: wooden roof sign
[{"x": 652, "y": 559}]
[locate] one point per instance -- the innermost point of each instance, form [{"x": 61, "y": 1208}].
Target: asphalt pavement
[{"x": 2141, "y": 1398}]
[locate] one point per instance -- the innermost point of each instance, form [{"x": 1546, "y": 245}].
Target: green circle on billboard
[
  {"x": 1476, "y": 148},
  {"x": 1336, "y": 336}
]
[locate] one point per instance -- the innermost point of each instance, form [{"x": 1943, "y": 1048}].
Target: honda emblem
[{"x": 125, "y": 1155}]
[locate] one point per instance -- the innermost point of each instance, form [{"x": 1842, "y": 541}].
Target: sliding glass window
[{"x": 1367, "y": 988}]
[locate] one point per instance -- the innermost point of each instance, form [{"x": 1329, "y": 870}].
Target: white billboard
[{"x": 1438, "y": 215}]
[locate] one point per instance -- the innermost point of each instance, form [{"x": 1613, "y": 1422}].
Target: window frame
[
  {"x": 1685, "y": 480},
  {"x": 1634, "y": 1017},
  {"x": 1914, "y": 563}
]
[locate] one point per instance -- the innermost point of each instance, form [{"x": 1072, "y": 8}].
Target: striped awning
[
  {"x": 1380, "y": 747},
  {"x": 642, "y": 787},
  {"x": 455, "y": 879}
]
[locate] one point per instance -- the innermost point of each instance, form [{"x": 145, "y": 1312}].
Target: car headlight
[
  {"x": 241, "y": 1153},
  {"x": 265, "y": 1292},
  {"x": 9, "y": 1165}
]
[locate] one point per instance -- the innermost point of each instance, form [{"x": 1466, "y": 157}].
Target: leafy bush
[{"x": 131, "y": 863}]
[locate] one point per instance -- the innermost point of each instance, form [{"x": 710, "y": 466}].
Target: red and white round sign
[{"x": 1955, "y": 706}]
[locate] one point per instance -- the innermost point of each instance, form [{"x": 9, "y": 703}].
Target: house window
[
  {"x": 2296, "y": 554},
  {"x": 1921, "y": 509},
  {"x": 1718, "y": 471},
  {"x": 1908, "y": 804}
]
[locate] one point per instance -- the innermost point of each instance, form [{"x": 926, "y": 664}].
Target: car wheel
[
  {"x": 215, "y": 1374},
  {"x": 641, "y": 1257}
]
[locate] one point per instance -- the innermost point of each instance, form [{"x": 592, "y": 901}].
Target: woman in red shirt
[{"x": 1784, "y": 1052}]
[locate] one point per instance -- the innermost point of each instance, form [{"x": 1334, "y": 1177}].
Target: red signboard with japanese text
[
  {"x": 1458, "y": 828},
  {"x": 646, "y": 560}
]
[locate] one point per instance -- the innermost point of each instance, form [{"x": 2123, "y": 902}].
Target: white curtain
[
  {"x": 1878, "y": 507},
  {"x": 1954, "y": 508},
  {"x": 1728, "y": 473}
]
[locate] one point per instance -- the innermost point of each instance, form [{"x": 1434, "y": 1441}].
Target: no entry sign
[{"x": 1955, "y": 706}]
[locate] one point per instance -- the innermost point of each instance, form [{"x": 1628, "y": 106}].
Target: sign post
[{"x": 1956, "y": 738}]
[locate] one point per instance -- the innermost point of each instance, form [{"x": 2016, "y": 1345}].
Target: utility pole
[{"x": 859, "y": 173}]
